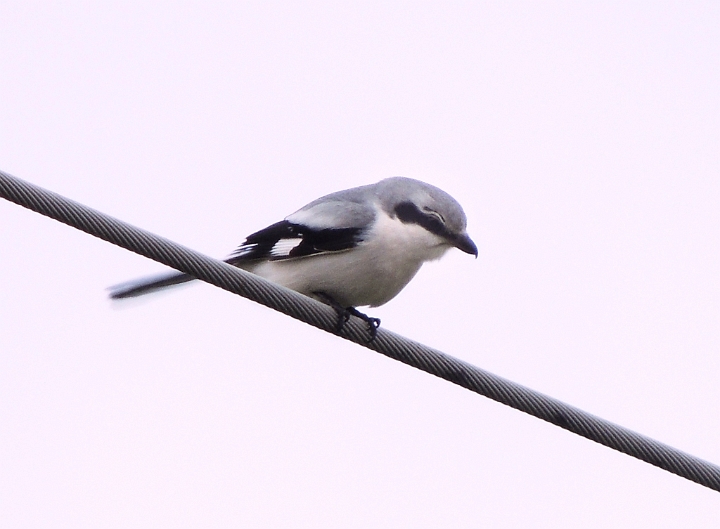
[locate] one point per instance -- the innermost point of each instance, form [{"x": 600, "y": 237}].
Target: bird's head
[{"x": 413, "y": 201}]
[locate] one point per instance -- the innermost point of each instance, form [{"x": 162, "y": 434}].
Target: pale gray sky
[{"x": 583, "y": 140}]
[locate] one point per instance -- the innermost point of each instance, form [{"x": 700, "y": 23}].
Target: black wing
[{"x": 285, "y": 240}]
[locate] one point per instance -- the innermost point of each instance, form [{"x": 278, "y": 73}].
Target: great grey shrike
[{"x": 357, "y": 247}]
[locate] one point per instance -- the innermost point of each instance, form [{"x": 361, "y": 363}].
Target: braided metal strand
[{"x": 387, "y": 343}]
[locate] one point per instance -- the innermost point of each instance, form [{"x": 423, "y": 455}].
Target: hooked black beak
[{"x": 465, "y": 243}]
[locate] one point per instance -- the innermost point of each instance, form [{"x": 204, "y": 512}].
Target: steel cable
[{"x": 387, "y": 343}]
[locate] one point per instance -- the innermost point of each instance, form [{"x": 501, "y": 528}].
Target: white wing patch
[
  {"x": 283, "y": 247},
  {"x": 244, "y": 250}
]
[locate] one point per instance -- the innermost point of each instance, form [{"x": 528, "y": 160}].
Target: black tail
[{"x": 147, "y": 285}]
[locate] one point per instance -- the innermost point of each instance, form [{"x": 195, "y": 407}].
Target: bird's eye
[{"x": 434, "y": 214}]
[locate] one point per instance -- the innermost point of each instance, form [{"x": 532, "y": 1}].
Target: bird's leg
[
  {"x": 344, "y": 314},
  {"x": 372, "y": 323}
]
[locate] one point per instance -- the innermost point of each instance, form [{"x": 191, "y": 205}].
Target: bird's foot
[
  {"x": 373, "y": 324},
  {"x": 344, "y": 314}
]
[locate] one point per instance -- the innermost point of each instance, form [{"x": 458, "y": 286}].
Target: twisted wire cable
[{"x": 386, "y": 342}]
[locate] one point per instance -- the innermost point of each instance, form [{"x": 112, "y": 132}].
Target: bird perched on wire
[{"x": 353, "y": 248}]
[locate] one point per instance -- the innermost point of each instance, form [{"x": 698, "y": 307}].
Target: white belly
[{"x": 369, "y": 275}]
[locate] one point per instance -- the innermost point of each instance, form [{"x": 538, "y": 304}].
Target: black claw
[
  {"x": 344, "y": 314},
  {"x": 343, "y": 318}
]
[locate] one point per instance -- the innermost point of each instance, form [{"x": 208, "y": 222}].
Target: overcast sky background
[{"x": 582, "y": 139}]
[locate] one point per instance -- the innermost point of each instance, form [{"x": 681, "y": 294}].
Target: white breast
[{"x": 369, "y": 275}]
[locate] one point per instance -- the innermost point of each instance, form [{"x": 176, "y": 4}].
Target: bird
[{"x": 352, "y": 248}]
